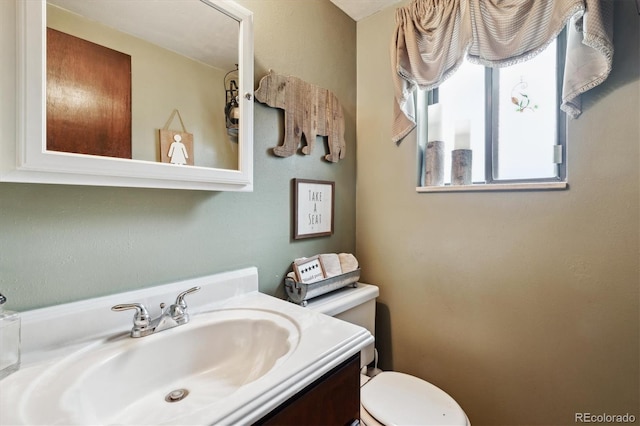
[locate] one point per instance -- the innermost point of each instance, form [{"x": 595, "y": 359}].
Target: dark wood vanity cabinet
[{"x": 333, "y": 399}]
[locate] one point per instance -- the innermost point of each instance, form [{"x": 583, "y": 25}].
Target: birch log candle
[
  {"x": 461, "y": 156},
  {"x": 461, "y": 167},
  {"x": 434, "y": 164},
  {"x": 434, "y": 153}
]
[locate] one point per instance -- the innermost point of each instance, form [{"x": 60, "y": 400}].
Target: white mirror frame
[{"x": 35, "y": 164}]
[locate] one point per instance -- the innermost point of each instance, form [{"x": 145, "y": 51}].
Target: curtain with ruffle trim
[{"x": 433, "y": 37}]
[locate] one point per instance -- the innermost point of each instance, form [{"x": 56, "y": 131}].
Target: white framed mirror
[{"x": 194, "y": 29}]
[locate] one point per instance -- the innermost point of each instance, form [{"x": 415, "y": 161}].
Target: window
[{"x": 509, "y": 118}]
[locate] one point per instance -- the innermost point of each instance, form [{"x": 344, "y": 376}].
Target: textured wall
[
  {"x": 522, "y": 305},
  {"x": 64, "y": 243}
]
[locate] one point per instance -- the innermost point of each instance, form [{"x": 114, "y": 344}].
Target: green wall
[
  {"x": 64, "y": 243},
  {"x": 524, "y": 306}
]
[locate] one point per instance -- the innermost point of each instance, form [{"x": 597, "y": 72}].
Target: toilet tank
[{"x": 356, "y": 305}]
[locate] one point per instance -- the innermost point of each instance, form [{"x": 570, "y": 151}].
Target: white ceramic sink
[
  {"x": 241, "y": 356},
  {"x": 127, "y": 380}
]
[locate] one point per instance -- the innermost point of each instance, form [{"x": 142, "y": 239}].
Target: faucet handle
[
  {"x": 178, "y": 311},
  {"x": 141, "y": 318},
  {"x": 180, "y": 299}
]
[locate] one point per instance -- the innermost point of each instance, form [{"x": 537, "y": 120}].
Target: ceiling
[
  {"x": 188, "y": 27},
  {"x": 360, "y": 9},
  {"x": 185, "y": 26}
]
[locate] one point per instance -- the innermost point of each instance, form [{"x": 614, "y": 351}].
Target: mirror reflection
[{"x": 150, "y": 81}]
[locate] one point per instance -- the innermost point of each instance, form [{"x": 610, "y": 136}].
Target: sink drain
[{"x": 176, "y": 395}]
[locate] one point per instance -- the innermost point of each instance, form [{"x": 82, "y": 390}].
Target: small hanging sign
[{"x": 176, "y": 147}]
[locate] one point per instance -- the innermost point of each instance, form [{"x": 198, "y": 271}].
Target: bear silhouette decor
[{"x": 308, "y": 110}]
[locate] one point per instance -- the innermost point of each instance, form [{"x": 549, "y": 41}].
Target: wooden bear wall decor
[{"x": 308, "y": 110}]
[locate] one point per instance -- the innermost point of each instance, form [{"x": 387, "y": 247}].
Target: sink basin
[
  {"x": 163, "y": 377},
  {"x": 242, "y": 355}
]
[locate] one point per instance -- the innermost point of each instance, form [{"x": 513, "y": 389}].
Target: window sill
[{"x": 537, "y": 186}]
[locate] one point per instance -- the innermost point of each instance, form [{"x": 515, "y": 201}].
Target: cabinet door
[{"x": 333, "y": 399}]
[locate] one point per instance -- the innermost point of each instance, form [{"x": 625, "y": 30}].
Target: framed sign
[
  {"x": 309, "y": 270},
  {"x": 313, "y": 208}
]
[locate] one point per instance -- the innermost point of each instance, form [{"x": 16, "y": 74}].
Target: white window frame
[{"x": 491, "y": 183}]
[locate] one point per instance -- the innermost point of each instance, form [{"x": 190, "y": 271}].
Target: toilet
[{"x": 388, "y": 398}]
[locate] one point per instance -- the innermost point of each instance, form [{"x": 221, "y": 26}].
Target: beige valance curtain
[{"x": 433, "y": 37}]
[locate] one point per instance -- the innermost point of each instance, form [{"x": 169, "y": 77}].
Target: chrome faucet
[{"x": 143, "y": 325}]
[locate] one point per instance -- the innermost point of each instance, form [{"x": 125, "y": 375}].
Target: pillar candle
[
  {"x": 463, "y": 135},
  {"x": 434, "y": 122}
]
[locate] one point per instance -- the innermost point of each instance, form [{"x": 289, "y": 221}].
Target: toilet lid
[{"x": 400, "y": 399}]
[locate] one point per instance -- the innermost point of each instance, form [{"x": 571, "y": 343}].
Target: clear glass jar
[{"x": 9, "y": 340}]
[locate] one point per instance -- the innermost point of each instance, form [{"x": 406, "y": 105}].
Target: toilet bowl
[
  {"x": 392, "y": 398},
  {"x": 388, "y": 397}
]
